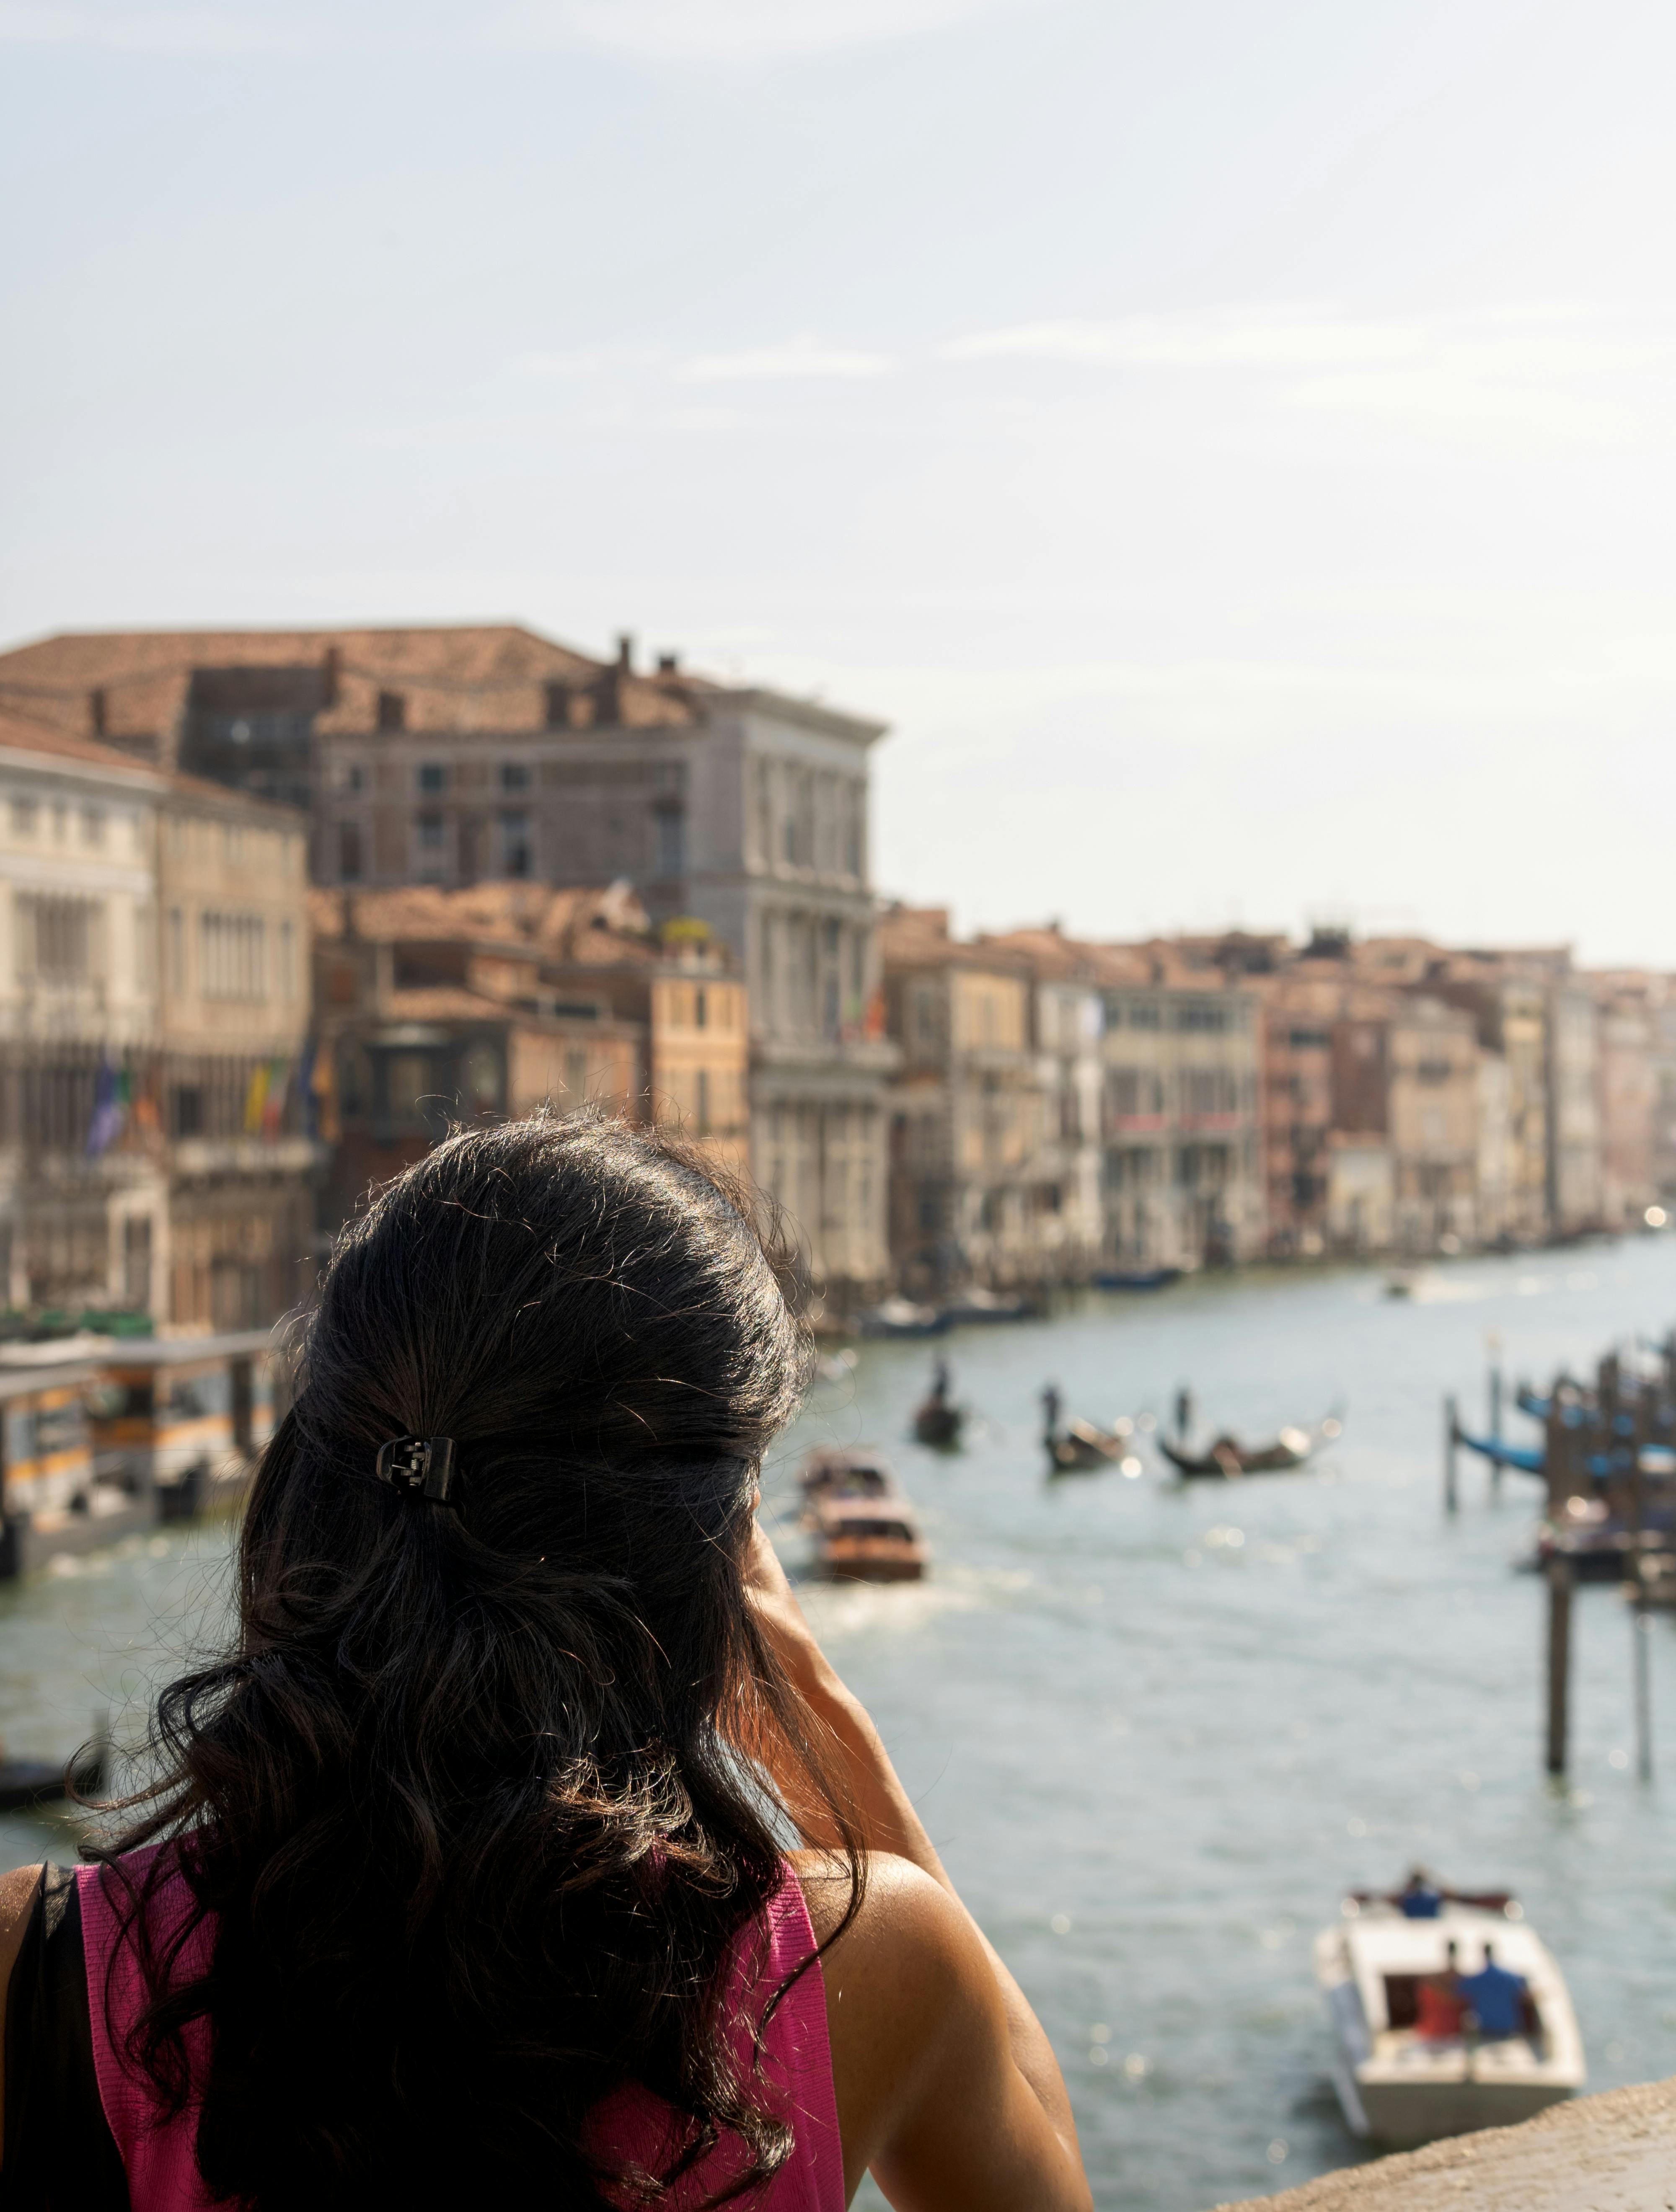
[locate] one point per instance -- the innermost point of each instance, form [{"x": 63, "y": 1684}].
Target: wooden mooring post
[
  {"x": 1559, "y": 1659},
  {"x": 1495, "y": 1460},
  {"x": 1451, "y": 1445}
]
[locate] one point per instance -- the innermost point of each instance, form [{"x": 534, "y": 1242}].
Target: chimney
[
  {"x": 558, "y": 706},
  {"x": 625, "y": 651},
  {"x": 96, "y": 709},
  {"x": 392, "y": 711},
  {"x": 330, "y": 660},
  {"x": 669, "y": 664}
]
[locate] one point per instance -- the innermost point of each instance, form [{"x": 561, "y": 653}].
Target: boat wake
[{"x": 842, "y": 1609}]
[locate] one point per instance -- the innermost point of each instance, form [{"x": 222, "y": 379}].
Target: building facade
[
  {"x": 83, "y": 1188},
  {"x": 967, "y": 1112},
  {"x": 441, "y": 1007},
  {"x": 446, "y": 756},
  {"x": 236, "y": 1092},
  {"x": 1182, "y": 1115}
]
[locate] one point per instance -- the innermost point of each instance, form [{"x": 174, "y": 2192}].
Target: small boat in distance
[
  {"x": 865, "y": 1530},
  {"x": 25, "y": 1783},
  {"x": 937, "y": 1420},
  {"x": 1399, "y": 2087},
  {"x": 902, "y": 1318},
  {"x": 1228, "y": 1459},
  {"x": 1136, "y": 1279}
]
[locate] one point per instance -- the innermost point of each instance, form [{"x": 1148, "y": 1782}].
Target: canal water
[{"x": 1158, "y": 1729}]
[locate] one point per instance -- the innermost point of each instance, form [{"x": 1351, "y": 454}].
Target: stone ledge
[{"x": 1614, "y": 2152}]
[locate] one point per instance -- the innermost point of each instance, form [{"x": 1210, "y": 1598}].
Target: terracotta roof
[
  {"x": 454, "y": 678},
  {"x": 592, "y": 926},
  {"x": 26, "y": 734}
]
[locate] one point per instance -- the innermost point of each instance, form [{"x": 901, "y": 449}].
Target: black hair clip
[{"x": 418, "y": 1467}]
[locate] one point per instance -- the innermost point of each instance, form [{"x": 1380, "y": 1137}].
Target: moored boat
[{"x": 1399, "y": 2087}]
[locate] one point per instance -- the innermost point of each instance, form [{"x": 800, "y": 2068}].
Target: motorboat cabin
[
  {"x": 1399, "y": 2087},
  {"x": 865, "y": 1530},
  {"x": 185, "y": 1417}
]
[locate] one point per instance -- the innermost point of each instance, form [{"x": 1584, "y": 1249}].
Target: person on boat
[
  {"x": 1053, "y": 1406},
  {"x": 460, "y": 1877},
  {"x": 939, "y": 1382},
  {"x": 1495, "y": 1998},
  {"x": 1419, "y": 1898},
  {"x": 1438, "y": 2006}
]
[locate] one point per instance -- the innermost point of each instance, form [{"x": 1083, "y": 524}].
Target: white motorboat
[{"x": 1398, "y": 2088}]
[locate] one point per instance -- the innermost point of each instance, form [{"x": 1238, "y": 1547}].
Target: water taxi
[
  {"x": 865, "y": 1530},
  {"x": 184, "y": 1417},
  {"x": 1399, "y": 2088},
  {"x": 52, "y": 1497}
]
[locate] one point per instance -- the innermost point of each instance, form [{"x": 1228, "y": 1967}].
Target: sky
[{"x": 1230, "y": 444}]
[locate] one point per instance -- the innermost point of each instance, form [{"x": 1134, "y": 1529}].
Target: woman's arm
[{"x": 988, "y": 2115}]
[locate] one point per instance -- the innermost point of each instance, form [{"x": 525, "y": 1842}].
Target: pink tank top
[{"x": 797, "y": 2065}]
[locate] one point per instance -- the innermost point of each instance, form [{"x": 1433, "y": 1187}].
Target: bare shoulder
[
  {"x": 17, "y": 1900},
  {"x": 902, "y": 1911},
  {"x": 906, "y": 1960}
]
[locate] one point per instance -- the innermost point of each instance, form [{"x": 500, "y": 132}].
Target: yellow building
[{"x": 234, "y": 996}]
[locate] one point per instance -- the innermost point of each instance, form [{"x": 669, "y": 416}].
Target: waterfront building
[
  {"x": 1628, "y": 1007},
  {"x": 1067, "y": 1014},
  {"x": 969, "y": 1200},
  {"x": 438, "y": 1007},
  {"x": 1575, "y": 1197},
  {"x": 84, "y": 1191},
  {"x": 1181, "y": 1114},
  {"x": 1409, "y": 1077},
  {"x": 1509, "y": 1005},
  {"x": 241, "y": 1154},
  {"x": 451, "y": 755}
]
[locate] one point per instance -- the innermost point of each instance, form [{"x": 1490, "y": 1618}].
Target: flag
[
  {"x": 111, "y": 1091},
  {"x": 273, "y": 1105},
  {"x": 255, "y": 1098}
]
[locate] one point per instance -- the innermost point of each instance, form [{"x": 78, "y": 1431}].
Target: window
[
  {"x": 186, "y": 1109},
  {"x": 349, "y": 851},
  {"x": 670, "y": 826},
  {"x": 699, "y": 1008},
  {"x": 1309, "y": 1040},
  {"x": 515, "y": 775},
  {"x": 857, "y": 801},
  {"x": 93, "y": 825},
  {"x": 23, "y": 818},
  {"x": 145, "y": 948},
  {"x": 703, "y": 1096},
  {"x": 232, "y": 956},
  {"x": 352, "y": 779},
  {"x": 576, "y": 1073},
  {"x": 288, "y": 961},
  {"x": 177, "y": 951},
  {"x": 1434, "y": 1070},
  {"x": 432, "y": 777},
  {"x": 516, "y": 851},
  {"x": 430, "y": 833},
  {"x": 56, "y": 939},
  {"x": 1200, "y": 1014}
]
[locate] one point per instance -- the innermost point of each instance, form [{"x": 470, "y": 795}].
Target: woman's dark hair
[{"x": 463, "y": 1796}]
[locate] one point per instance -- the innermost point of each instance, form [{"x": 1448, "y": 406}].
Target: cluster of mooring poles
[{"x": 1607, "y": 1461}]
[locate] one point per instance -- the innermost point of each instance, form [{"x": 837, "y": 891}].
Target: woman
[{"x": 463, "y": 1877}]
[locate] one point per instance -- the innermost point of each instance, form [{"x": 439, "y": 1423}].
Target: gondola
[
  {"x": 938, "y": 1425},
  {"x": 937, "y": 1420},
  {"x": 1228, "y": 1459},
  {"x": 1083, "y": 1449}
]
